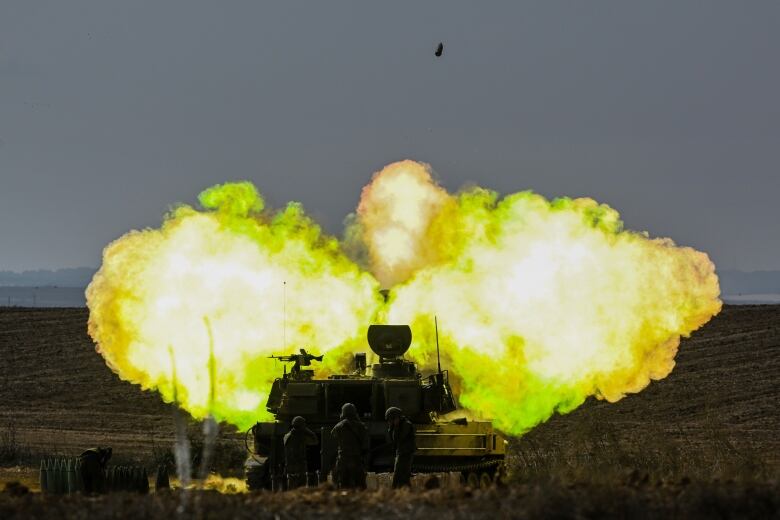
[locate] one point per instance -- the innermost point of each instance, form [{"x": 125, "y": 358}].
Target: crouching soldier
[
  {"x": 295, "y": 442},
  {"x": 93, "y": 469},
  {"x": 351, "y": 438},
  {"x": 401, "y": 433}
]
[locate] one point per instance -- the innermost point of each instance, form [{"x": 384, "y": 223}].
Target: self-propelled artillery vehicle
[{"x": 472, "y": 448}]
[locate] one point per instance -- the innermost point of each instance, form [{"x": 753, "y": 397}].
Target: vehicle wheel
[
  {"x": 500, "y": 477},
  {"x": 472, "y": 480},
  {"x": 485, "y": 480}
]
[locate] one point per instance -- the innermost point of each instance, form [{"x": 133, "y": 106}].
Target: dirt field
[
  {"x": 678, "y": 500},
  {"x": 715, "y": 419},
  {"x": 717, "y": 413},
  {"x": 58, "y": 394}
]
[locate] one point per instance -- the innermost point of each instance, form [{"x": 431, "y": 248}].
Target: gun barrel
[{"x": 298, "y": 357}]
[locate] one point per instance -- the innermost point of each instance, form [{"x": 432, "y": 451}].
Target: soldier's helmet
[
  {"x": 105, "y": 454},
  {"x": 393, "y": 412},
  {"x": 348, "y": 411},
  {"x": 298, "y": 422}
]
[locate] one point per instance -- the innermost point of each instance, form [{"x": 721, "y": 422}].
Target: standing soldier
[
  {"x": 93, "y": 467},
  {"x": 295, "y": 442},
  {"x": 401, "y": 433},
  {"x": 352, "y": 440}
]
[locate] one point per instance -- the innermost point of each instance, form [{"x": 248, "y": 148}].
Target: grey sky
[{"x": 111, "y": 111}]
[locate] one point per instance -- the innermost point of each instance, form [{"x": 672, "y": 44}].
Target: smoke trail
[
  {"x": 210, "y": 426},
  {"x": 181, "y": 447}
]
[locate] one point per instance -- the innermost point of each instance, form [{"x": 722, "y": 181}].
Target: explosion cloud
[
  {"x": 541, "y": 303},
  {"x": 241, "y": 269}
]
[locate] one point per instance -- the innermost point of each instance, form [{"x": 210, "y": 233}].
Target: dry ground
[
  {"x": 545, "y": 500},
  {"x": 717, "y": 413},
  {"x": 58, "y": 394},
  {"x": 715, "y": 420}
]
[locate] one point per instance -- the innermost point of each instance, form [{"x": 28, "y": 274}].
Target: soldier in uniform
[
  {"x": 351, "y": 438},
  {"x": 93, "y": 466},
  {"x": 401, "y": 433},
  {"x": 295, "y": 442}
]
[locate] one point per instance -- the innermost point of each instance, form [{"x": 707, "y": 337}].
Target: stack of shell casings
[{"x": 61, "y": 476}]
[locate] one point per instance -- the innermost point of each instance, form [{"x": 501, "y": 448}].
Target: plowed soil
[
  {"x": 715, "y": 419},
  {"x": 61, "y": 397}
]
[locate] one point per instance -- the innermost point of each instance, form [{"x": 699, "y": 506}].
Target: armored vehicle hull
[{"x": 473, "y": 448}]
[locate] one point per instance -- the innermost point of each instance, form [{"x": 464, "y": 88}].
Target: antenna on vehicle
[
  {"x": 438, "y": 356},
  {"x": 446, "y": 401}
]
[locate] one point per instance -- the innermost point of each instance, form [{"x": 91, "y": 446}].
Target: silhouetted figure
[
  {"x": 93, "y": 467},
  {"x": 295, "y": 442},
  {"x": 351, "y": 438},
  {"x": 439, "y": 49},
  {"x": 16, "y": 488},
  {"x": 401, "y": 433}
]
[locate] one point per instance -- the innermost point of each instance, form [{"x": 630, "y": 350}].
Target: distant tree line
[
  {"x": 754, "y": 282},
  {"x": 69, "y": 277},
  {"x": 731, "y": 282}
]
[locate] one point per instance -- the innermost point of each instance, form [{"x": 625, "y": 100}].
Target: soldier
[
  {"x": 401, "y": 433},
  {"x": 352, "y": 439},
  {"x": 93, "y": 467},
  {"x": 295, "y": 442}
]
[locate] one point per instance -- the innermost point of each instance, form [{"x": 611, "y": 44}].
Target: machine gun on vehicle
[{"x": 303, "y": 359}]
